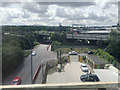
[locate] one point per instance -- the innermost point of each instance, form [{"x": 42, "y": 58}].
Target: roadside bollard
[
  {"x": 68, "y": 58},
  {"x": 59, "y": 68},
  {"x": 79, "y": 58}
]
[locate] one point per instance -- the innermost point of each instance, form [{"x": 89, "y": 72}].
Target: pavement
[
  {"x": 70, "y": 74},
  {"x": 24, "y": 69},
  {"x": 106, "y": 75}
]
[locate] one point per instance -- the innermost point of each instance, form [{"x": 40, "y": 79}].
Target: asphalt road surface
[
  {"x": 70, "y": 74},
  {"x": 24, "y": 70}
]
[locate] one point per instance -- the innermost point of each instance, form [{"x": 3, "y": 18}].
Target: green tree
[
  {"x": 12, "y": 54},
  {"x": 60, "y": 37},
  {"x": 56, "y": 43},
  {"x": 112, "y": 48}
]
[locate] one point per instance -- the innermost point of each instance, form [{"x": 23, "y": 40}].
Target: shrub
[
  {"x": 26, "y": 53},
  {"x": 12, "y": 56},
  {"x": 71, "y": 48},
  {"x": 56, "y": 43},
  {"x": 106, "y": 56},
  {"x": 36, "y": 43}
]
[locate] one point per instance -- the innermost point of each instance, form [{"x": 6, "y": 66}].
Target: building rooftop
[
  {"x": 97, "y": 32},
  {"x": 97, "y": 59}
]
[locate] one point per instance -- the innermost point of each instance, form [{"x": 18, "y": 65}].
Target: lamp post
[{"x": 30, "y": 52}]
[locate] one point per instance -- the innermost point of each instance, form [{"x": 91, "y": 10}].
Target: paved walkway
[
  {"x": 106, "y": 75},
  {"x": 71, "y": 73}
]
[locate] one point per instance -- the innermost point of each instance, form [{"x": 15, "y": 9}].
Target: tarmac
[{"x": 72, "y": 73}]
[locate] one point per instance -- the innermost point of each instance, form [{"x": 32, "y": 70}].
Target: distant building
[
  {"x": 60, "y": 24},
  {"x": 118, "y": 16},
  {"x": 96, "y": 62}
]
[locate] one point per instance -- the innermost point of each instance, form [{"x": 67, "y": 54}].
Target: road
[{"x": 24, "y": 70}]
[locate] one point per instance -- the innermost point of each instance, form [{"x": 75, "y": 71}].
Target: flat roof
[
  {"x": 106, "y": 31},
  {"x": 96, "y": 59}
]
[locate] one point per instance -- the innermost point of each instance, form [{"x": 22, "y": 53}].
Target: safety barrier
[
  {"x": 36, "y": 73},
  {"x": 84, "y": 85},
  {"x": 44, "y": 66}
]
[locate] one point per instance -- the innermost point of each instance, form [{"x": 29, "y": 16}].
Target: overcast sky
[{"x": 96, "y": 12}]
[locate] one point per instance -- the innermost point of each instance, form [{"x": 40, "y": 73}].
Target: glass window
[
  {"x": 14, "y": 82},
  {"x": 83, "y": 66}
]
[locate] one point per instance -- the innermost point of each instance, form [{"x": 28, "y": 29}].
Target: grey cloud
[
  {"x": 93, "y": 16},
  {"x": 34, "y": 7},
  {"x": 109, "y": 4},
  {"x": 76, "y": 4},
  {"x": 7, "y": 4},
  {"x": 26, "y": 14},
  {"x": 43, "y": 15},
  {"x": 68, "y": 4},
  {"x": 76, "y": 16},
  {"x": 62, "y": 3},
  {"x": 13, "y": 15},
  {"x": 61, "y": 12},
  {"x": 41, "y": 7}
]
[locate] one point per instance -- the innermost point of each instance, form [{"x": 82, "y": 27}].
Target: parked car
[
  {"x": 16, "y": 81},
  {"x": 33, "y": 53},
  {"x": 72, "y": 53},
  {"x": 90, "y": 52},
  {"x": 84, "y": 68},
  {"x": 89, "y": 77}
]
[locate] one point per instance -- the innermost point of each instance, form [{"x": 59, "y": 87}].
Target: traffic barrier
[{"x": 36, "y": 73}]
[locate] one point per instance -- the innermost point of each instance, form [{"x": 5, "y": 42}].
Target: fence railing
[{"x": 84, "y": 85}]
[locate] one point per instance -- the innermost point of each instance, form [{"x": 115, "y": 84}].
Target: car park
[
  {"x": 16, "y": 81},
  {"x": 72, "y": 53},
  {"x": 89, "y": 77},
  {"x": 84, "y": 68},
  {"x": 33, "y": 53}
]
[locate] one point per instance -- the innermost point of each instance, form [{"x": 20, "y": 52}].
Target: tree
[
  {"x": 12, "y": 56},
  {"x": 56, "y": 43},
  {"x": 60, "y": 37},
  {"x": 112, "y": 48},
  {"x": 55, "y": 37}
]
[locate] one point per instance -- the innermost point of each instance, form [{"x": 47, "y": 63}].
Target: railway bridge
[{"x": 90, "y": 35}]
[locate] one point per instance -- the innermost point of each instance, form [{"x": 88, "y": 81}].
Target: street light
[{"x": 30, "y": 45}]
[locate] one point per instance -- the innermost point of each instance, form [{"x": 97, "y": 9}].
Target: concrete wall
[{"x": 45, "y": 68}]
